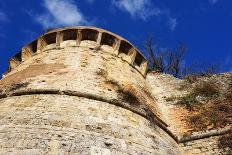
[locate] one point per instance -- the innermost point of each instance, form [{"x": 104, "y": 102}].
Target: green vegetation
[
  {"x": 208, "y": 106},
  {"x": 188, "y": 100}
]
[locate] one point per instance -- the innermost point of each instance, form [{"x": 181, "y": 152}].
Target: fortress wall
[
  {"x": 82, "y": 70},
  {"x": 42, "y": 124},
  {"x": 73, "y": 89}
]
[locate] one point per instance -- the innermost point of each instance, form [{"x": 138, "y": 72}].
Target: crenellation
[
  {"x": 69, "y": 38},
  {"x": 141, "y": 64},
  {"x": 50, "y": 38},
  {"x": 26, "y": 53},
  {"x": 108, "y": 39},
  {"x": 125, "y": 47},
  {"x": 90, "y": 37},
  {"x": 99, "y": 38},
  {"x": 89, "y": 34},
  {"x": 15, "y": 61},
  {"x": 59, "y": 38},
  {"x": 18, "y": 56},
  {"x": 117, "y": 46},
  {"x": 32, "y": 47},
  {"x": 70, "y": 34},
  {"x": 130, "y": 56},
  {"x": 79, "y": 37},
  {"x": 138, "y": 59},
  {"x": 41, "y": 44}
]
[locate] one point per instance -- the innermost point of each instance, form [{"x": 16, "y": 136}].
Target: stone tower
[{"x": 80, "y": 90}]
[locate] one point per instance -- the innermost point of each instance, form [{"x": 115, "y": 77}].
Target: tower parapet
[{"x": 90, "y": 37}]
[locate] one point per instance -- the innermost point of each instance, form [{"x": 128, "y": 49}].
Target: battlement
[{"x": 90, "y": 37}]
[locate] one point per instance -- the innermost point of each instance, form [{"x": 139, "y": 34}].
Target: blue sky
[{"x": 204, "y": 26}]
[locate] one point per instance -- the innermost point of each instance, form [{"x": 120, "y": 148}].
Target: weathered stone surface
[{"x": 61, "y": 123}]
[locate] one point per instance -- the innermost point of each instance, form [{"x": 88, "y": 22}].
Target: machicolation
[{"x": 100, "y": 38}]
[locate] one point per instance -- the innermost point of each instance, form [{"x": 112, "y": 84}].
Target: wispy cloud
[
  {"x": 213, "y": 1},
  {"x": 143, "y": 9},
  {"x": 3, "y": 17},
  {"x": 61, "y": 13},
  {"x": 172, "y": 22},
  {"x": 137, "y": 8}
]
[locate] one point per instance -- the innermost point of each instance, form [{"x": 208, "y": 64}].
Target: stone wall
[
  {"x": 165, "y": 86},
  {"x": 43, "y": 124},
  {"x": 80, "y": 91}
]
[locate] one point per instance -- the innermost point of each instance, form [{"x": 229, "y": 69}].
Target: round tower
[{"x": 80, "y": 90}]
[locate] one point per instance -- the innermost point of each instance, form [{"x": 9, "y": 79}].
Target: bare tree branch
[{"x": 156, "y": 58}]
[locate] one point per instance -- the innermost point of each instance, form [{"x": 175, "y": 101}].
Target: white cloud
[
  {"x": 3, "y": 17},
  {"x": 172, "y": 22},
  {"x": 61, "y": 13},
  {"x": 137, "y": 8},
  {"x": 213, "y": 1},
  {"x": 143, "y": 9}
]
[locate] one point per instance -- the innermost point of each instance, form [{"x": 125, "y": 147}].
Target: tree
[
  {"x": 155, "y": 57},
  {"x": 171, "y": 61},
  {"x": 167, "y": 61},
  {"x": 175, "y": 60}
]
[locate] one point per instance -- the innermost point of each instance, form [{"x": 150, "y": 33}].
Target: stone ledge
[
  {"x": 143, "y": 111},
  {"x": 202, "y": 135}
]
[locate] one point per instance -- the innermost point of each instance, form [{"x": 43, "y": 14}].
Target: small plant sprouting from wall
[
  {"x": 205, "y": 89},
  {"x": 189, "y": 101}
]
